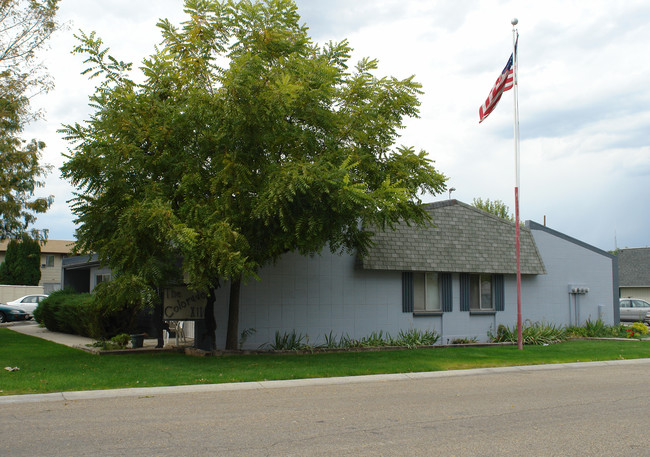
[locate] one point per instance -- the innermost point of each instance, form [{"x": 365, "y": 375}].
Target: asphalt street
[{"x": 589, "y": 409}]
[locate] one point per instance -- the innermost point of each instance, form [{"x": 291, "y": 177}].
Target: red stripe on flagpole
[{"x": 519, "y": 331}]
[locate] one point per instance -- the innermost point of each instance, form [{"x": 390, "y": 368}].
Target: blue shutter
[
  {"x": 464, "y": 292},
  {"x": 407, "y": 292},
  {"x": 445, "y": 292},
  {"x": 499, "y": 293}
]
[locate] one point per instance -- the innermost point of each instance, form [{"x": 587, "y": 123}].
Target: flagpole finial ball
[{"x": 514, "y": 21}]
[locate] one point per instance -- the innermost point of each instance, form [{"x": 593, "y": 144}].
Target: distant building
[
  {"x": 52, "y": 254},
  {"x": 83, "y": 273},
  {"x": 634, "y": 273}
]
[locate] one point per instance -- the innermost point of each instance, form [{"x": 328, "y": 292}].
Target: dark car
[{"x": 11, "y": 313}]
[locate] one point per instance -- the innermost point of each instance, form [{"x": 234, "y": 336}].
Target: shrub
[
  {"x": 464, "y": 340},
  {"x": 531, "y": 332},
  {"x": 415, "y": 337},
  {"x": 637, "y": 330},
  {"x": 66, "y": 311},
  {"x": 118, "y": 304},
  {"x": 411, "y": 339},
  {"x": 243, "y": 336},
  {"x": 113, "y": 308},
  {"x": 117, "y": 342},
  {"x": 288, "y": 341}
]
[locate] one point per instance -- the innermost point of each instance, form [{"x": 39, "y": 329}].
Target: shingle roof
[
  {"x": 463, "y": 239},
  {"x": 634, "y": 267}
]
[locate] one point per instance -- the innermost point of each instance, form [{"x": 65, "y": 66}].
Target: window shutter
[
  {"x": 499, "y": 293},
  {"x": 445, "y": 292},
  {"x": 407, "y": 292},
  {"x": 464, "y": 292}
]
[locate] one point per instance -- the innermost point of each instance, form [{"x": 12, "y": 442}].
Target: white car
[
  {"x": 634, "y": 310},
  {"x": 27, "y": 303}
]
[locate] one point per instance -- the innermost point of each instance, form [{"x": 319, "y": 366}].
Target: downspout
[{"x": 575, "y": 291}]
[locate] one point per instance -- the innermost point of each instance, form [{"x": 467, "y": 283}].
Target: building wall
[
  {"x": 547, "y": 297},
  {"x": 10, "y": 293},
  {"x": 51, "y": 275},
  {"x": 329, "y": 293},
  {"x": 94, "y": 273},
  {"x": 315, "y": 296}
]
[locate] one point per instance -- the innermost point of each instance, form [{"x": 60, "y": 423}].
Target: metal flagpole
[{"x": 515, "y": 82}]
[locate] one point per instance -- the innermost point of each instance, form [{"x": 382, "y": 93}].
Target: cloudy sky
[{"x": 584, "y": 97}]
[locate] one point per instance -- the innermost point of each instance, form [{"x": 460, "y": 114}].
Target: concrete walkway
[
  {"x": 33, "y": 329},
  {"x": 76, "y": 341}
]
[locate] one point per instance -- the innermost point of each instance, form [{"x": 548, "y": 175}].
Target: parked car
[
  {"x": 11, "y": 313},
  {"x": 28, "y": 302},
  {"x": 634, "y": 310}
]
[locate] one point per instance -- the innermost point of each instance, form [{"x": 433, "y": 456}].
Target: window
[
  {"x": 426, "y": 292},
  {"x": 49, "y": 261},
  {"x": 482, "y": 292},
  {"x": 102, "y": 278}
]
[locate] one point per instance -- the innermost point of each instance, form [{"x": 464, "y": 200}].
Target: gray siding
[
  {"x": 328, "y": 293},
  {"x": 316, "y": 295},
  {"x": 569, "y": 263}
]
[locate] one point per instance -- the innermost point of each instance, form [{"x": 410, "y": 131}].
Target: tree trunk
[
  {"x": 232, "y": 338},
  {"x": 210, "y": 322},
  {"x": 158, "y": 319},
  {"x": 205, "y": 336}
]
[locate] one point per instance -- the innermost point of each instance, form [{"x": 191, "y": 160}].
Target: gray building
[
  {"x": 634, "y": 273},
  {"x": 83, "y": 273},
  {"x": 456, "y": 277}
]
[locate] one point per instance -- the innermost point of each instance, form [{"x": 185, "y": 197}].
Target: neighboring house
[
  {"x": 457, "y": 277},
  {"x": 52, "y": 254},
  {"x": 634, "y": 273},
  {"x": 83, "y": 273}
]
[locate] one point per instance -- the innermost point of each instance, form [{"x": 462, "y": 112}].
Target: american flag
[{"x": 505, "y": 81}]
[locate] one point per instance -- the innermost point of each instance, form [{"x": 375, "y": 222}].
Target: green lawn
[{"x": 49, "y": 367}]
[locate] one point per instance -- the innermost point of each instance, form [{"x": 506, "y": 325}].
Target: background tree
[
  {"x": 22, "y": 265},
  {"x": 496, "y": 207},
  {"x": 246, "y": 141},
  {"x": 25, "y": 26}
]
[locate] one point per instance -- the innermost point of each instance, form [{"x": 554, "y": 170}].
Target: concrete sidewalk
[{"x": 31, "y": 328}]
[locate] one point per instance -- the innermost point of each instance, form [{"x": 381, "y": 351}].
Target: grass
[{"x": 49, "y": 367}]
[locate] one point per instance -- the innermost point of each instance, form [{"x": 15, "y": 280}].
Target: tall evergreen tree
[{"x": 22, "y": 265}]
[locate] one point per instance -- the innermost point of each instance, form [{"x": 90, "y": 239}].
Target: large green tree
[
  {"x": 25, "y": 26},
  {"x": 496, "y": 207},
  {"x": 22, "y": 265},
  {"x": 245, "y": 141}
]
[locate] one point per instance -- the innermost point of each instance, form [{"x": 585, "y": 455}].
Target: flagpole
[{"x": 515, "y": 65}]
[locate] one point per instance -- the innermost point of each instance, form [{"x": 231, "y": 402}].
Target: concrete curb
[{"x": 293, "y": 383}]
